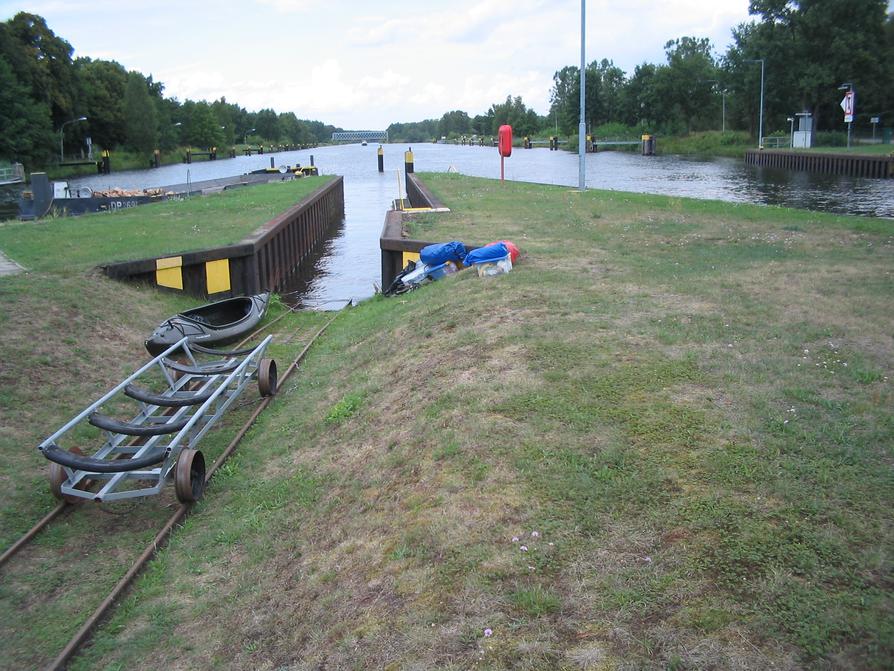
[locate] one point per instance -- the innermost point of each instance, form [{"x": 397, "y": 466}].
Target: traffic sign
[{"x": 847, "y": 104}]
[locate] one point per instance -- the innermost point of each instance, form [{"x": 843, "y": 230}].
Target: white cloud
[
  {"x": 360, "y": 64},
  {"x": 289, "y": 6}
]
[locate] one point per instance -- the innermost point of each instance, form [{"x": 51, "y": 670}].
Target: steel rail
[
  {"x": 29, "y": 535},
  {"x": 83, "y": 634}
]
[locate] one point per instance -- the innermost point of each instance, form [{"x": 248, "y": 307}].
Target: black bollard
[
  {"x": 271, "y": 163},
  {"x": 213, "y": 154},
  {"x": 189, "y": 155},
  {"x": 648, "y": 145},
  {"x": 106, "y": 162},
  {"x": 408, "y": 169},
  {"x": 156, "y": 158},
  {"x": 311, "y": 160},
  {"x": 380, "y": 152}
]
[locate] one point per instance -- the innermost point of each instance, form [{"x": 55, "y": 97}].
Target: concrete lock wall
[
  {"x": 263, "y": 261},
  {"x": 877, "y": 167},
  {"x": 396, "y": 250}
]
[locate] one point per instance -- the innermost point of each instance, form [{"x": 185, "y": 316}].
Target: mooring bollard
[
  {"x": 380, "y": 152},
  {"x": 106, "y": 163},
  {"x": 212, "y": 155},
  {"x": 271, "y": 163},
  {"x": 311, "y": 160},
  {"x": 156, "y": 159},
  {"x": 408, "y": 168},
  {"x": 189, "y": 155},
  {"x": 648, "y": 145}
]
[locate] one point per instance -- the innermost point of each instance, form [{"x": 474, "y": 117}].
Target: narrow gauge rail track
[{"x": 82, "y": 636}]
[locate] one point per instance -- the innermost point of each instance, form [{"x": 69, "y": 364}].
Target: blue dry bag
[
  {"x": 435, "y": 255},
  {"x": 488, "y": 254}
]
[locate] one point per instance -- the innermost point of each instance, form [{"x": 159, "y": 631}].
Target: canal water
[{"x": 348, "y": 266}]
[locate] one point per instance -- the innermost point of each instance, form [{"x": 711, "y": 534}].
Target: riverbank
[
  {"x": 663, "y": 440},
  {"x": 168, "y": 227},
  {"x": 124, "y": 160}
]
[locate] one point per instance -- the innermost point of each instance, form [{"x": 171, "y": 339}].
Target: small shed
[{"x": 801, "y": 138}]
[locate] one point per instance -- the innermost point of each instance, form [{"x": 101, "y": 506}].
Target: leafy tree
[
  {"x": 811, "y": 47},
  {"x": 456, "y": 122},
  {"x": 230, "y": 117},
  {"x": 516, "y": 114},
  {"x": 43, "y": 63},
  {"x": 267, "y": 125},
  {"x": 290, "y": 128},
  {"x": 483, "y": 124},
  {"x": 102, "y": 85},
  {"x": 200, "y": 127},
  {"x": 642, "y": 100},
  {"x": 605, "y": 95},
  {"x": 417, "y": 131},
  {"x": 140, "y": 121},
  {"x": 27, "y": 135},
  {"x": 565, "y": 98},
  {"x": 682, "y": 86}
]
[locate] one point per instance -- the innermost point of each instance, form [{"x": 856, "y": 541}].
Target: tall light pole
[
  {"x": 62, "y": 136},
  {"x": 582, "y": 126},
  {"x": 760, "y": 132},
  {"x": 791, "y": 132}
]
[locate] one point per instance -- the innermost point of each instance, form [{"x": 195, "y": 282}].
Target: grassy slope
[
  {"x": 161, "y": 228},
  {"x": 68, "y": 337},
  {"x": 689, "y": 402}
]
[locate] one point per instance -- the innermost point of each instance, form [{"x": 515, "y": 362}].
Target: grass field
[
  {"x": 160, "y": 228},
  {"x": 664, "y": 440}
]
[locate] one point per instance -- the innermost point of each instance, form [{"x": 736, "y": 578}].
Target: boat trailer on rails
[{"x": 177, "y": 402}]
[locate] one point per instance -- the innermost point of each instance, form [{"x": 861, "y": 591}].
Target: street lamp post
[
  {"x": 582, "y": 126},
  {"x": 723, "y": 111},
  {"x": 791, "y": 132},
  {"x": 62, "y": 136},
  {"x": 722, "y": 102},
  {"x": 760, "y": 131},
  {"x": 245, "y": 134}
]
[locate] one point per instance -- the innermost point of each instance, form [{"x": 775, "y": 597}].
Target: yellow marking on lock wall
[
  {"x": 169, "y": 272},
  {"x": 217, "y": 275}
]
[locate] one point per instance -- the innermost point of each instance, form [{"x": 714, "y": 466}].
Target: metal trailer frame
[{"x": 221, "y": 381}]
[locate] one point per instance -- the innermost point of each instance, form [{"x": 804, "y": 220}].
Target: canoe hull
[{"x": 211, "y": 325}]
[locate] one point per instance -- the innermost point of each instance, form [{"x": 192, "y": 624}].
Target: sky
[{"x": 364, "y": 65}]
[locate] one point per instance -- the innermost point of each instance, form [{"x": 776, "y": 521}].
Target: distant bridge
[{"x": 360, "y": 135}]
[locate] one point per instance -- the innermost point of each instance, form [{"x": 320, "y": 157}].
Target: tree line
[
  {"x": 809, "y": 49},
  {"x": 44, "y": 92}
]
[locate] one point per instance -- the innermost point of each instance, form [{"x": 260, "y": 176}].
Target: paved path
[{"x": 7, "y": 266}]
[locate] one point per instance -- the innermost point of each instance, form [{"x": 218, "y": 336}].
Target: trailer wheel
[
  {"x": 189, "y": 476},
  {"x": 57, "y": 476},
  {"x": 267, "y": 377}
]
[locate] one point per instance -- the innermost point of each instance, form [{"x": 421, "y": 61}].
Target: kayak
[{"x": 213, "y": 324}]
